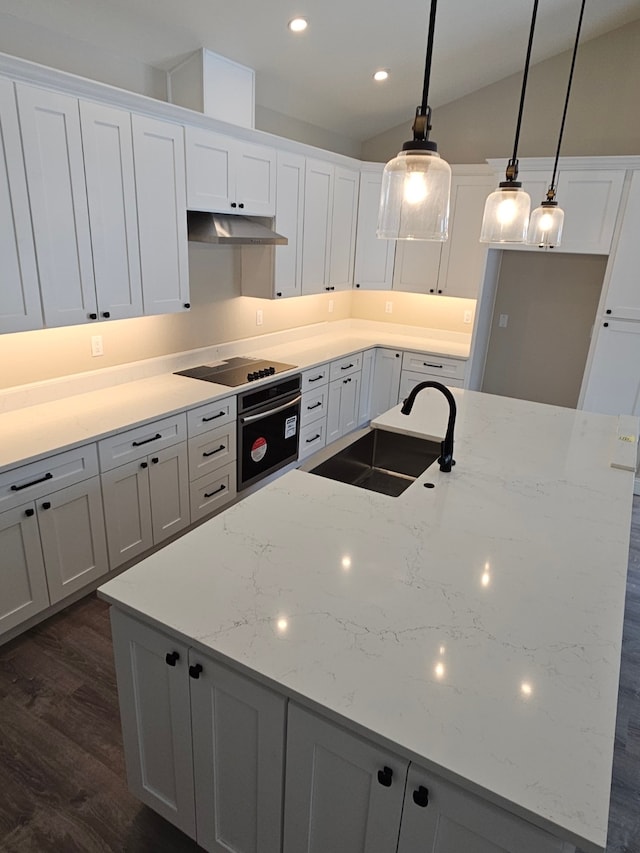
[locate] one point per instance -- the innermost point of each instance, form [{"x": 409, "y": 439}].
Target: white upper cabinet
[
  {"x": 289, "y": 219},
  {"x": 623, "y": 293},
  {"x": 19, "y": 295},
  {"x": 417, "y": 266},
  {"x": 343, "y": 228},
  {"x": 590, "y": 200},
  {"x": 229, "y": 175},
  {"x": 374, "y": 257},
  {"x": 111, "y": 196},
  {"x": 318, "y": 198},
  {"x": 158, "y": 151},
  {"x": 52, "y": 145}
]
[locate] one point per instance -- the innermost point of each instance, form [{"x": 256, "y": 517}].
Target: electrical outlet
[
  {"x": 259, "y": 317},
  {"x": 467, "y": 317},
  {"x": 96, "y": 345},
  {"x": 331, "y": 306},
  {"x": 503, "y": 322},
  {"x": 388, "y": 307}
]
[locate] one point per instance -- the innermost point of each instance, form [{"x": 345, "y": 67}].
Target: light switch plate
[{"x": 96, "y": 345}]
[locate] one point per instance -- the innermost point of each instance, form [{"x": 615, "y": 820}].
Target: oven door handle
[{"x": 248, "y": 419}]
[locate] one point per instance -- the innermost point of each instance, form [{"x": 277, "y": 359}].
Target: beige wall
[
  {"x": 310, "y": 134},
  {"x": 603, "y": 116},
  {"x": 413, "y": 309}
]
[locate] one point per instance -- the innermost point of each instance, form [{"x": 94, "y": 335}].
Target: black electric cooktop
[{"x": 236, "y": 371}]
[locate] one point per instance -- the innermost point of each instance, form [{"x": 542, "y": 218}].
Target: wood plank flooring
[{"x": 62, "y": 775}]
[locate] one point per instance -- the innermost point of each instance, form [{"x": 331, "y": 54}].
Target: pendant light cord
[
  {"x": 512, "y": 168},
  {"x": 427, "y": 64},
  {"x": 552, "y": 189}
]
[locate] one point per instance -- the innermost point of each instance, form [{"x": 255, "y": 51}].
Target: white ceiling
[{"x": 324, "y": 75}]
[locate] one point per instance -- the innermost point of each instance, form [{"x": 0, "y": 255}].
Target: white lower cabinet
[
  {"x": 386, "y": 381},
  {"x": 342, "y": 413},
  {"x": 418, "y": 367},
  {"x": 204, "y": 746},
  {"x": 23, "y": 583},
  {"x": 212, "y": 456}
]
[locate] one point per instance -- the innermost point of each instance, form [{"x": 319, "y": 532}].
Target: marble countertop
[
  {"x": 30, "y": 432},
  {"x": 476, "y": 626}
]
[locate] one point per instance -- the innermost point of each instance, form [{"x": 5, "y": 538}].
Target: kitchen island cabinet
[{"x": 467, "y": 631}]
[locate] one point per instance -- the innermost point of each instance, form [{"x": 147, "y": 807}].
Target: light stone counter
[
  {"x": 29, "y": 432},
  {"x": 475, "y": 626}
]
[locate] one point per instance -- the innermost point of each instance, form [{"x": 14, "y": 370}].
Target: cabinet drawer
[
  {"x": 212, "y": 491},
  {"x": 312, "y": 437},
  {"x": 211, "y": 416},
  {"x": 47, "y": 475},
  {"x": 315, "y": 378},
  {"x": 345, "y": 366},
  {"x": 137, "y": 443},
  {"x": 434, "y": 365},
  {"x": 208, "y": 452},
  {"x": 409, "y": 379},
  {"x": 314, "y": 406}
]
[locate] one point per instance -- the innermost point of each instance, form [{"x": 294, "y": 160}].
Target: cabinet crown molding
[{"x": 542, "y": 164}]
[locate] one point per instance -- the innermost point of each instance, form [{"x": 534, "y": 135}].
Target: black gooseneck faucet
[{"x": 446, "y": 459}]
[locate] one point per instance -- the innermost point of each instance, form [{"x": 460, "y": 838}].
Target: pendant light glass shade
[
  {"x": 545, "y": 227},
  {"x": 414, "y": 200},
  {"x": 506, "y": 215}
]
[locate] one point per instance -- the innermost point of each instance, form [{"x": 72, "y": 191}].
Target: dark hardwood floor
[{"x": 62, "y": 776}]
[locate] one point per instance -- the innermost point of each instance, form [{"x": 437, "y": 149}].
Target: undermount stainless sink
[{"x": 380, "y": 461}]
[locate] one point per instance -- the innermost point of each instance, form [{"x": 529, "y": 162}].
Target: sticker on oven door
[
  {"x": 259, "y": 449},
  {"x": 290, "y": 426}
]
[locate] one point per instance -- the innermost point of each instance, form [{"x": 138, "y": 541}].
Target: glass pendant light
[
  {"x": 414, "y": 200},
  {"x": 545, "y": 227},
  {"x": 506, "y": 211}
]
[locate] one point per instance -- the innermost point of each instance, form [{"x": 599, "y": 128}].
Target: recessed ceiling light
[
  {"x": 298, "y": 25},
  {"x": 382, "y": 74}
]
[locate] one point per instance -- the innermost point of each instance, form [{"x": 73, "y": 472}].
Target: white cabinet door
[
  {"x": 613, "y": 384},
  {"x": 73, "y": 537},
  {"x": 590, "y": 200},
  {"x": 111, "y": 195},
  {"x": 463, "y": 255},
  {"x": 341, "y": 793},
  {"x": 255, "y": 193},
  {"x": 386, "y": 382},
  {"x": 238, "y": 735},
  {"x": 289, "y": 221},
  {"x": 23, "y": 584},
  {"x": 623, "y": 292},
  {"x": 417, "y": 266},
  {"x": 158, "y": 149},
  {"x": 169, "y": 490},
  {"x": 343, "y": 228},
  {"x": 318, "y": 200},
  {"x": 366, "y": 386},
  {"x": 374, "y": 257},
  {"x": 333, "y": 411},
  {"x": 155, "y": 714},
  {"x": 441, "y": 818},
  {"x": 19, "y": 295},
  {"x": 52, "y": 144},
  {"x": 210, "y": 175},
  {"x": 349, "y": 402},
  {"x": 127, "y": 511}
]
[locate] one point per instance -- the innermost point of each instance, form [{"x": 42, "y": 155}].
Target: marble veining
[{"x": 476, "y": 625}]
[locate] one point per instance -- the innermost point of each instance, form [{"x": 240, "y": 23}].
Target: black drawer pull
[
  {"x": 315, "y": 406},
  {"x": 144, "y": 464},
  {"x": 316, "y": 378},
  {"x": 155, "y": 460},
  {"x": 233, "y": 204},
  {"x": 215, "y": 491},
  {"x": 47, "y": 476},
  {"x": 427, "y": 364},
  {"x": 315, "y": 437},
  {"x": 212, "y": 452},
  {"x": 106, "y": 314},
  {"x": 29, "y": 512},
  {"x": 344, "y": 381},
  {"x": 421, "y": 796},
  {"x": 172, "y": 657},
  {"x": 146, "y": 440},
  {"x": 385, "y": 776},
  {"x": 46, "y": 505},
  {"x": 195, "y": 669},
  {"x": 347, "y": 366},
  {"x": 93, "y": 316},
  {"x": 213, "y": 417}
]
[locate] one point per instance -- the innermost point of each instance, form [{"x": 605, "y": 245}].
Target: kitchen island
[{"x": 469, "y": 634}]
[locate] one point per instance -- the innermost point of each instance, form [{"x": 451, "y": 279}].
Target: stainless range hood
[{"x": 231, "y": 230}]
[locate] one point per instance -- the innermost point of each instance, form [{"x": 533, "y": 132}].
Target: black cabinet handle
[
  {"x": 316, "y": 378},
  {"x": 46, "y": 505},
  {"x": 431, "y": 290},
  {"x": 212, "y": 452},
  {"x": 421, "y": 796},
  {"x": 315, "y": 437},
  {"x": 329, "y": 288},
  {"x": 29, "y": 512},
  {"x": 241, "y": 204},
  {"x": 47, "y": 476},
  {"x": 428, "y": 364},
  {"x": 213, "y": 417},
  {"x": 146, "y": 440},
  {"x": 195, "y": 669},
  {"x": 357, "y": 285},
  {"x": 155, "y": 460},
  {"x": 344, "y": 381},
  {"x": 172, "y": 657},
  {"x": 605, "y": 325},
  {"x": 315, "y": 406},
  {"x": 106, "y": 314},
  {"x": 144, "y": 464},
  {"x": 397, "y": 355},
  {"x": 187, "y": 305},
  {"x": 233, "y": 204},
  {"x": 608, "y": 311},
  {"x": 210, "y": 495},
  {"x": 346, "y": 366},
  {"x": 439, "y": 291},
  {"x": 385, "y": 776},
  {"x": 93, "y": 316},
  {"x": 279, "y": 293}
]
